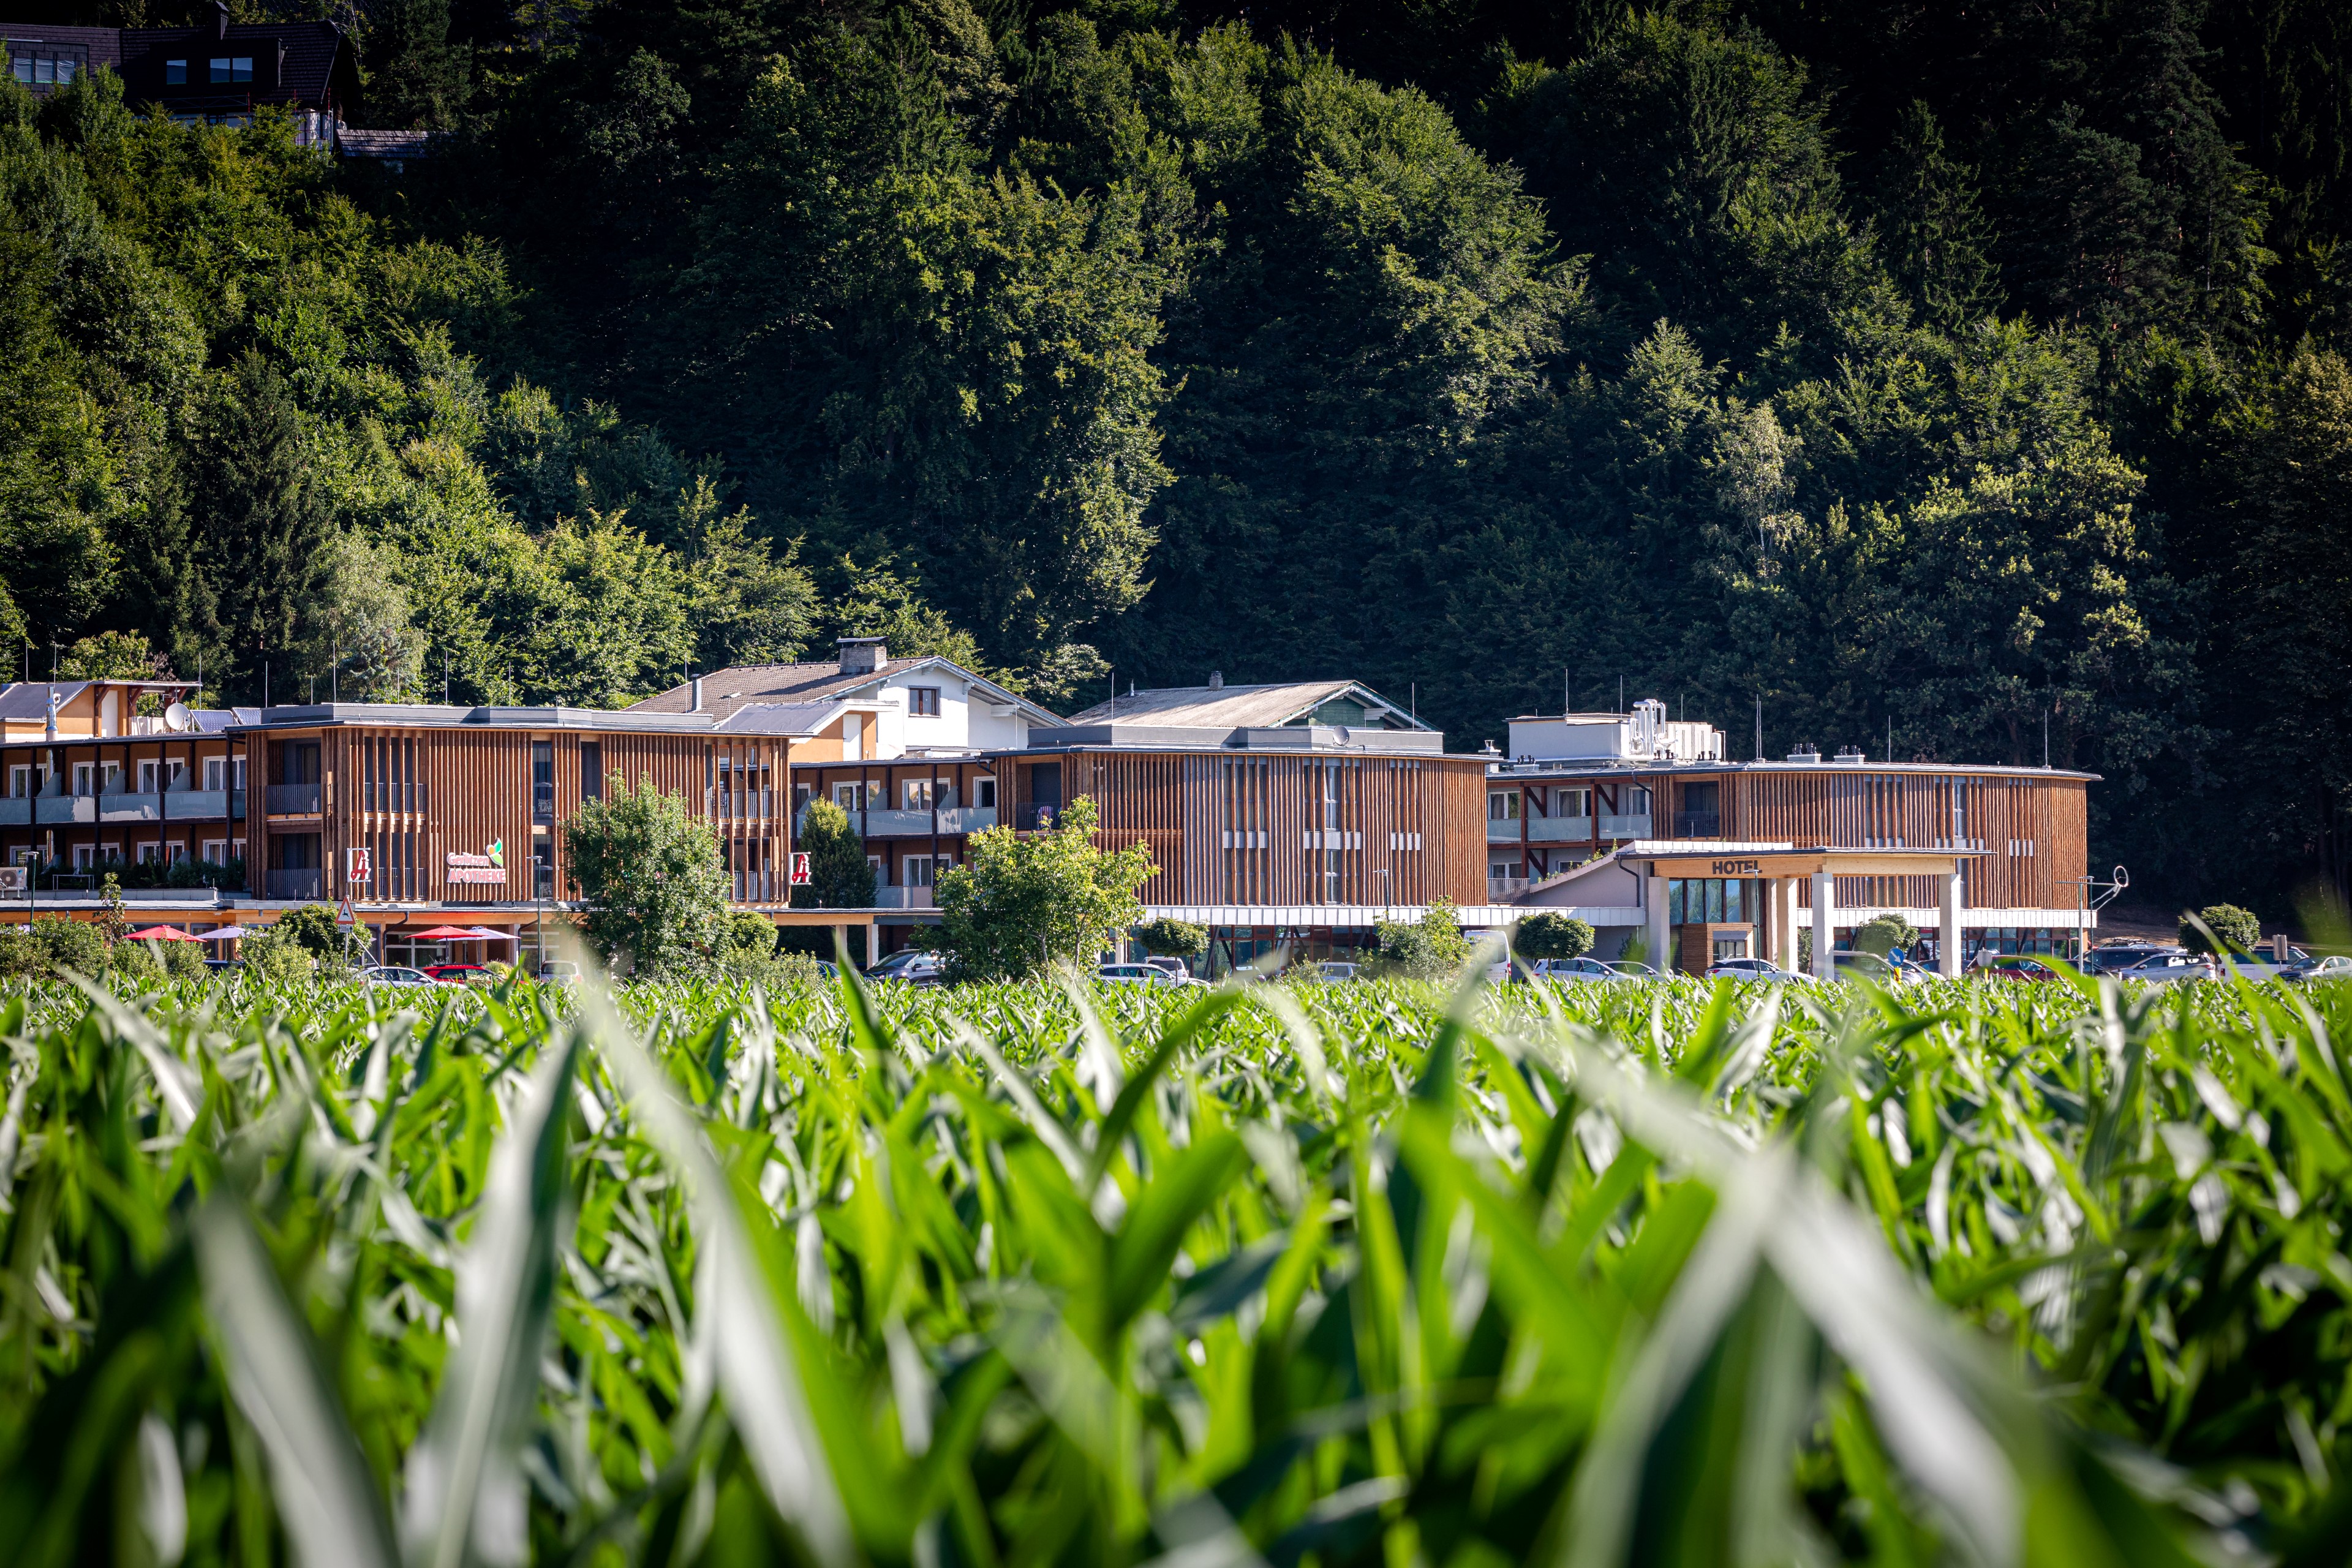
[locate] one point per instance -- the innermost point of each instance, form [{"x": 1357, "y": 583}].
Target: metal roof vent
[
  {"x": 1807, "y": 754},
  {"x": 1848, "y": 757},
  {"x": 1216, "y": 681}
]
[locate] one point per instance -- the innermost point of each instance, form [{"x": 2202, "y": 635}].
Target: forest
[{"x": 1967, "y": 380}]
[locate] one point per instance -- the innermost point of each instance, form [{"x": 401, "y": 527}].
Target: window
[
  {"x": 542, "y": 863},
  {"x": 237, "y": 848},
  {"x": 1571, "y": 802},
  {"x": 542, "y": 781},
  {"x": 176, "y": 851},
  {"x": 919, "y": 869},
  {"x": 176, "y": 774},
  {"x": 110, "y": 778},
  {"x": 592, "y": 769},
  {"x": 1503, "y": 805},
  {"x": 236, "y": 773},
  {"x": 149, "y": 854},
  {"x": 846, "y": 795},
  {"x": 42, "y": 73},
  {"x": 111, "y": 852},
  {"x": 217, "y": 773},
  {"x": 85, "y": 856},
  {"x": 175, "y": 73},
  {"x": 918, "y": 794},
  {"x": 232, "y": 68},
  {"x": 20, "y": 781},
  {"x": 923, "y": 702},
  {"x": 217, "y": 850},
  {"x": 85, "y": 778},
  {"x": 1501, "y": 870},
  {"x": 983, "y": 792},
  {"x": 147, "y": 777}
]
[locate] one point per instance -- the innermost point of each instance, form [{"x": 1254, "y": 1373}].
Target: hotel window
[
  {"x": 110, "y": 778},
  {"x": 175, "y": 73},
  {"x": 176, "y": 774},
  {"x": 217, "y": 850},
  {"x": 542, "y": 781},
  {"x": 845, "y": 796},
  {"x": 176, "y": 851},
  {"x": 236, "y": 773},
  {"x": 918, "y": 794},
  {"x": 20, "y": 781},
  {"x": 923, "y": 702},
  {"x": 147, "y": 778},
  {"x": 1503, "y": 805},
  {"x": 85, "y": 856},
  {"x": 919, "y": 870},
  {"x": 592, "y": 769},
  {"x": 215, "y": 773},
  {"x": 85, "y": 778},
  {"x": 983, "y": 792},
  {"x": 232, "y": 68},
  {"x": 150, "y": 854},
  {"x": 237, "y": 848}
]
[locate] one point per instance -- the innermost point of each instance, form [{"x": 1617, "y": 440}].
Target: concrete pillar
[
  {"x": 1654, "y": 892},
  {"x": 1824, "y": 923},
  {"x": 1948, "y": 938}
]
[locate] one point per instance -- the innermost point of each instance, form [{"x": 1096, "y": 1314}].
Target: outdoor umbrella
[
  {"x": 447, "y": 933},
  {"x": 484, "y": 933},
  {"x": 162, "y": 933},
  {"x": 223, "y": 934}
]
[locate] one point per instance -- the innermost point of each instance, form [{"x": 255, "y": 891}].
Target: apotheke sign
[{"x": 490, "y": 870}]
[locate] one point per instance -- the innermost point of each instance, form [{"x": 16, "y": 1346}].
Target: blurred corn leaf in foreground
[{"x": 1373, "y": 1274}]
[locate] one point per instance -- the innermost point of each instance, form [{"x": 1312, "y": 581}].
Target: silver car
[
  {"x": 390, "y": 974},
  {"x": 1581, "y": 970},
  {"x": 1763, "y": 969}
]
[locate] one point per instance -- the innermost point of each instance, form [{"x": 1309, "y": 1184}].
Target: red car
[
  {"x": 2013, "y": 966},
  {"x": 457, "y": 974}
]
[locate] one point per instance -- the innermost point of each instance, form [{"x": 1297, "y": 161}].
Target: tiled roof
[
  {"x": 1223, "y": 707},
  {"x": 725, "y": 691},
  {"x": 394, "y": 147}
]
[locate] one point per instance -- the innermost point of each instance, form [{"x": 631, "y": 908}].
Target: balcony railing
[
  {"x": 1033, "y": 816},
  {"x": 65, "y": 809},
  {"x": 903, "y": 898},
  {"x": 1624, "y": 827},
  {"x": 16, "y": 811},
  {"x": 130, "y": 808},
  {"x": 196, "y": 805},
  {"x": 1560, "y": 829},
  {"x": 1502, "y": 830},
  {"x": 293, "y": 800},
  {"x": 1698, "y": 824},
  {"x": 303, "y": 884},
  {"x": 1501, "y": 888}
]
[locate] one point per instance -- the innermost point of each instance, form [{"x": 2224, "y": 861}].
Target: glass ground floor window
[{"x": 1712, "y": 900}]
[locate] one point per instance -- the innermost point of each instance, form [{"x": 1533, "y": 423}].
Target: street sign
[
  {"x": 358, "y": 867},
  {"x": 344, "y": 918},
  {"x": 800, "y": 871}
]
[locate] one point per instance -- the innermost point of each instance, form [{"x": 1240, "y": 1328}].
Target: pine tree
[
  {"x": 840, "y": 877},
  {"x": 263, "y": 526},
  {"x": 1936, "y": 238}
]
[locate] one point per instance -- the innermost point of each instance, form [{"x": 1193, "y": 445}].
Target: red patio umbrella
[
  {"x": 444, "y": 933},
  {"x": 162, "y": 933}
]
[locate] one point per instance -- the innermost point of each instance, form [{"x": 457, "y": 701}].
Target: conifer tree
[{"x": 1937, "y": 240}]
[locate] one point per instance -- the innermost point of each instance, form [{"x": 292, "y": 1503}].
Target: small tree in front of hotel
[
  {"x": 2237, "y": 930},
  {"x": 1883, "y": 934},
  {"x": 1029, "y": 901},
  {"x": 1432, "y": 948},
  {"x": 1551, "y": 936},
  {"x": 1169, "y": 938},
  {"x": 652, "y": 878},
  {"x": 840, "y": 875}
]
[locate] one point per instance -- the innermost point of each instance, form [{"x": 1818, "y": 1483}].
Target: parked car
[
  {"x": 1572, "y": 970},
  {"x": 2017, "y": 966},
  {"x": 1174, "y": 966},
  {"x": 1763, "y": 969},
  {"x": 2257, "y": 965},
  {"x": 559, "y": 972},
  {"x": 2164, "y": 968},
  {"x": 2332, "y": 968},
  {"x": 913, "y": 965},
  {"x": 1330, "y": 971},
  {"x": 1631, "y": 969},
  {"x": 1846, "y": 965},
  {"x": 458, "y": 973},
  {"x": 392, "y": 974},
  {"x": 1138, "y": 975},
  {"x": 2113, "y": 958}
]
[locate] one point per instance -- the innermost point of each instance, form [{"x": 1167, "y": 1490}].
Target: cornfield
[{"x": 1368, "y": 1274}]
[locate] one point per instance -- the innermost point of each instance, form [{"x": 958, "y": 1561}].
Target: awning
[{"x": 162, "y": 933}]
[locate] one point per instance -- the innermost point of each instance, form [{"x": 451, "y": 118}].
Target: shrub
[
  {"x": 1173, "y": 938},
  {"x": 1432, "y": 948},
  {"x": 277, "y": 957},
  {"x": 313, "y": 927},
  {"x": 1883, "y": 934},
  {"x": 2239, "y": 930},
  {"x": 1553, "y": 936},
  {"x": 1028, "y": 900},
  {"x": 840, "y": 877},
  {"x": 68, "y": 943}
]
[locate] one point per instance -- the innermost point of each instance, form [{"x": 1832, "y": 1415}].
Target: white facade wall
[{"x": 969, "y": 718}]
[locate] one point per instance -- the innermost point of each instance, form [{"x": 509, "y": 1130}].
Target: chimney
[
  {"x": 220, "y": 20},
  {"x": 698, "y": 695},
  {"x": 862, "y": 656},
  {"x": 1216, "y": 681}
]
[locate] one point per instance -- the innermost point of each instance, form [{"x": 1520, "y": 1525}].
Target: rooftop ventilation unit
[
  {"x": 1848, "y": 757},
  {"x": 1806, "y": 753}
]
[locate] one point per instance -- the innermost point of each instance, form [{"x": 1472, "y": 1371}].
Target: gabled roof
[
  {"x": 725, "y": 691},
  {"x": 1245, "y": 706},
  {"x": 781, "y": 718}
]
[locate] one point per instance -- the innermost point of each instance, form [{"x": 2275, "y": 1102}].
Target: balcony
[
  {"x": 917, "y": 823},
  {"x": 196, "y": 805},
  {"x": 1560, "y": 829},
  {"x": 130, "y": 808},
  {"x": 1035, "y": 816},
  {"x": 1698, "y": 824},
  {"x": 16, "y": 811},
  {"x": 1502, "y": 830},
  {"x": 1624, "y": 827},
  {"x": 65, "y": 809},
  {"x": 903, "y": 898},
  {"x": 1501, "y": 890},
  {"x": 309, "y": 883},
  {"x": 293, "y": 800}
]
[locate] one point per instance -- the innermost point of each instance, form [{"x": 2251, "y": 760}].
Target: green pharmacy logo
[{"x": 498, "y": 851}]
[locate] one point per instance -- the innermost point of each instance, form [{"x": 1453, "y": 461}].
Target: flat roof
[
  {"x": 747, "y": 718},
  {"x": 1584, "y": 767}
]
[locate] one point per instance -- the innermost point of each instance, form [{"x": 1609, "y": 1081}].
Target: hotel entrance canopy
[{"x": 1686, "y": 858}]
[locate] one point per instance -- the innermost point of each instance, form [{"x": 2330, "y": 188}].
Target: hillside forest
[{"x": 1969, "y": 379}]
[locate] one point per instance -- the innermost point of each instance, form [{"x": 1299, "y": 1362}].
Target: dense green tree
[
  {"x": 840, "y": 875},
  {"x": 1029, "y": 901},
  {"x": 652, "y": 878},
  {"x": 1937, "y": 240},
  {"x": 263, "y": 523},
  {"x": 1552, "y": 936}
]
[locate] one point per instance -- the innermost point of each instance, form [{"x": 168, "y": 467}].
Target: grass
[{"x": 1363, "y": 1274}]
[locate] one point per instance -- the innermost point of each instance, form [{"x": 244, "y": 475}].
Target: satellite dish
[{"x": 177, "y": 718}]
